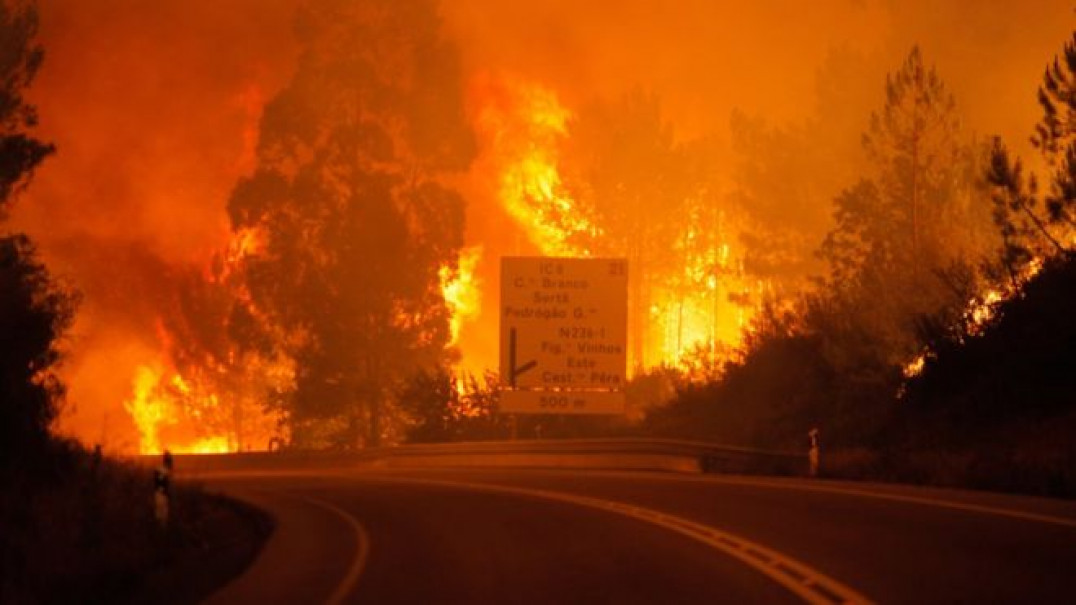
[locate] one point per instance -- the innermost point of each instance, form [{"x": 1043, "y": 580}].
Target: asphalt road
[{"x": 534, "y": 536}]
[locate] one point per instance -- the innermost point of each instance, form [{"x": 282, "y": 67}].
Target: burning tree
[
  {"x": 632, "y": 176},
  {"x": 350, "y": 202},
  {"x": 656, "y": 202}
]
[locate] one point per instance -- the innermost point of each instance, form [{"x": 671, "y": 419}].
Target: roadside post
[
  {"x": 814, "y": 453},
  {"x": 162, "y": 489}
]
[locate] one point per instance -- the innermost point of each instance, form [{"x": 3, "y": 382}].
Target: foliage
[
  {"x": 230, "y": 390},
  {"x": 20, "y": 58},
  {"x": 632, "y": 178},
  {"x": 1009, "y": 382},
  {"x": 655, "y": 201},
  {"x": 442, "y": 410},
  {"x": 794, "y": 374},
  {"x": 905, "y": 240},
  {"x": 993, "y": 404},
  {"x": 430, "y": 398},
  {"x": 1034, "y": 223},
  {"x": 1020, "y": 365},
  {"x": 34, "y": 310},
  {"x": 349, "y": 200},
  {"x": 901, "y": 229}
]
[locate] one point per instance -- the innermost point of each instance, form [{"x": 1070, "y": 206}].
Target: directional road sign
[{"x": 564, "y": 328}]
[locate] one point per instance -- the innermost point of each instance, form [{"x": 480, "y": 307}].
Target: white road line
[
  {"x": 362, "y": 552},
  {"x": 809, "y": 584}
]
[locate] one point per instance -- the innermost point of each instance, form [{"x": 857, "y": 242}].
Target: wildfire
[
  {"x": 522, "y": 125},
  {"x": 148, "y": 411},
  {"x": 979, "y": 311},
  {"x": 914, "y": 367},
  {"x": 461, "y": 290},
  {"x": 158, "y": 411},
  {"x": 187, "y": 415},
  {"x": 697, "y": 300},
  {"x": 694, "y": 306}
]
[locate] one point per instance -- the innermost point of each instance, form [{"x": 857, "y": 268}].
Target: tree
[
  {"x": 349, "y": 199},
  {"x": 634, "y": 179},
  {"x": 1027, "y": 233},
  {"x": 913, "y": 141},
  {"x": 430, "y": 398},
  {"x": 34, "y": 313},
  {"x": 34, "y": 310},
  {"x": 20, "y": 58},
  {"x": 1006, "y": 377},
  {"x": 903, "y": 229},
  {"x": 442, "y": 408},
  {"x": 785, "y": 176}
]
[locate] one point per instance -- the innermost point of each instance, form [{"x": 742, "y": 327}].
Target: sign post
[{"x": 563, "y": 335}]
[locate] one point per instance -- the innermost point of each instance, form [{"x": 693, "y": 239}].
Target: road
[{"x": 546, "y": 536}]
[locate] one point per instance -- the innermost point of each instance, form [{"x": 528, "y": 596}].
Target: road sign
[{"x": 564, "y": 328}]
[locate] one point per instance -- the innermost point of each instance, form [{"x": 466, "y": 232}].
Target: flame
[
  {"x": 521, "y": 125},
  {"x": 185, "y": 415},
  {"x": 979, "y": 311},
  {"x": 914, "y": 367},
  {"x": 214, "y": 404},
  {"x": 461, "y": 290},
  {"x": 699, "y": 302},
  {"x": 147, "y": 410},
  {"x": 157, "y": 408},
  {"x": 210, "y": 445}
]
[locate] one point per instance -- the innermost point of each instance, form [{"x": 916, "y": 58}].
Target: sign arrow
[{"x": 513, "y": 370}]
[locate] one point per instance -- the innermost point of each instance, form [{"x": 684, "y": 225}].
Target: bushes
[{"x": 34, "y": 312}]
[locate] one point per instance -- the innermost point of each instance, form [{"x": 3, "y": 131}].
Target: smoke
[
  {"x": 705, "y": 58},
  {"x": 154, "y": 110}
]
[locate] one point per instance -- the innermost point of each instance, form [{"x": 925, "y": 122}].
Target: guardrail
[{"x": 610, "y": 454}]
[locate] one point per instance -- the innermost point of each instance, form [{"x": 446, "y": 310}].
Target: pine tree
[
  {"x": 913, "y": 142},
  {"x": 1037, "y": 224},
  {"x": 633, "y": 179},
  {"x": 909, "y": 222},
  {"x": 20, "y": 58}
]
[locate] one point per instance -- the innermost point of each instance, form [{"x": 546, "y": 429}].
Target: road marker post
[
  {"x": 814, "y": 452},
  {"x": 162, "y": 489}
]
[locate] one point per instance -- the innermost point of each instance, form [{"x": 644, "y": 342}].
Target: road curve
[{"x": 532, "y": 536}]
